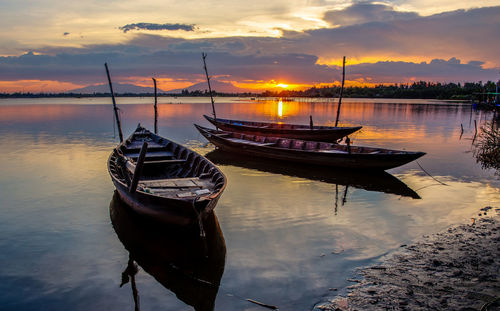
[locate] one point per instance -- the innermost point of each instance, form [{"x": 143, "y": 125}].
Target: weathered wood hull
[
  {"x": 317, "y": 133},
  {"x": 170, "y": 209},
  {"x": 305, "y": 157}
]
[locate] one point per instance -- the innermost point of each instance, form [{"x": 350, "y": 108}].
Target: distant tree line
[
  {"x": 184, "y": 93},
  {"x": 421, "y": 89}
]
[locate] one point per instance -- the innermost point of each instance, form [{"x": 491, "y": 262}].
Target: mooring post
[
  {"x": 311, "y": 124},
  {"x": 118, "y": 123},
  {"x": 138, "y": 168},
  {"x": 341, "y": 91},
  {"x": 156, "y": 108},
  {"x": 348, "y": 142},
  {"x": 204, "y": 55}
]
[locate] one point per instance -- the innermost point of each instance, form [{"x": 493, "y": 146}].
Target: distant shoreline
[{"x": 251, "y": 96}]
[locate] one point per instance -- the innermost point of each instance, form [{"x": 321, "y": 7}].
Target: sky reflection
[{"x": 289, "y": 236}]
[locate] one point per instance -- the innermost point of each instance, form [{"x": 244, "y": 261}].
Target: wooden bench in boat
[
  {"x": 131, "y": 166},
  {"x": 173, "y": 161},
  {"x": 177, "y": 187},
  {"x": 188, "y": 182},
  {"x": 138, "y": 145},
  {"x": 150, "y": 154}
]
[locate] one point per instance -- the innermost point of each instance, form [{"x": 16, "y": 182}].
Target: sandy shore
[{"x": 457, "y": 269}]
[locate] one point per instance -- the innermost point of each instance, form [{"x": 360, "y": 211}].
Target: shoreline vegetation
[{"x": 417, "y": 90}]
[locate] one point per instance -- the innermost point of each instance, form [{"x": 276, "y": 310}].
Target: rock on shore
[{"x": 457, "y": 269}]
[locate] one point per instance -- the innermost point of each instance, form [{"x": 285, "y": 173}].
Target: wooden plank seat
[
  {"x": 173, "y": 161},
  {"x": 190, "y": 187},
  {"x": 150, "y": 154},
  {"x": 138, "y": 145},
  {"x": 190, "y": 182}
]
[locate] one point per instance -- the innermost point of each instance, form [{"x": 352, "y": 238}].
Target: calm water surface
[{"x": 289, "y": 233}]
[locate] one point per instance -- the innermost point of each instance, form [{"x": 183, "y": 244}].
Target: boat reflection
[
  {"x": 371, "y": 181},
  {"x": 180, "y": 259}
]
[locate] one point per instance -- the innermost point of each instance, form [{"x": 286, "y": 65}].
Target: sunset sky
[{"x": 53, "y": 45}]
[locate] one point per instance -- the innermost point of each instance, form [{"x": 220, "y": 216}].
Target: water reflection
[
  {"x": 183, "y": 262},
  {"x": 373, "y": 181}
]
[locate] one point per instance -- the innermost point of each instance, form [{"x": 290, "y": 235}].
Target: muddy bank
[{"x": 457, "y": 269}]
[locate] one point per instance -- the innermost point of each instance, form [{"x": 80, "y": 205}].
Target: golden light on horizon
[
  {"x": 260, "y": 85},
  {"x": 280, "y": 108},
  {"x": 37, "y": 86}
]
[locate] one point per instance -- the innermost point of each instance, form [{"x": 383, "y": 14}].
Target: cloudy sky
[{"x": 54, "y": 45}]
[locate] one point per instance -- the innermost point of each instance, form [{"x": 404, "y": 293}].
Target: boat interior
[{"x": 170, "y": 170}]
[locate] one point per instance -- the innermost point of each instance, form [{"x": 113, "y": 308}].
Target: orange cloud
[
  {"x": 37, "y": 86},
  {"x": 165, "y": 84},
  {"x": 335, "y": 61}
]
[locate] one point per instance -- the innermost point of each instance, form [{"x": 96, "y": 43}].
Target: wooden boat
[
  {"x": 378, "y": 181},
  {"x": 188, "y": 265},
  {"x": 305, "y": 132},
  {"x": 309, "y": 152},
  {"x": 177, "y": 185}
]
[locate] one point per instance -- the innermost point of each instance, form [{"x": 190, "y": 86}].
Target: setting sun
[{"x": 282, "y": 85}]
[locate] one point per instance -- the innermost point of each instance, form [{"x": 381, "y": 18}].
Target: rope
[{"x": 442, "y": 183}]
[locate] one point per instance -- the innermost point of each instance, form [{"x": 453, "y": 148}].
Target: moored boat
[
  {"x": 284, "y": 130},
  {"x": 176, "y": 185},
  {"x": 309, "y": 152}
]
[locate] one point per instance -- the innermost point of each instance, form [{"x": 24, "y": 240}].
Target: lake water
[{"x": 284, "y": 235}]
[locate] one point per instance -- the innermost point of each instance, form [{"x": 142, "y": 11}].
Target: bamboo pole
[
  {"x": 118, "y": 123},
  {"x": 204, "y": 55},
  {"x": 341, "y": 91},
  {"x": 138, "y": 168},
  {"x": 156, "y": 108}
]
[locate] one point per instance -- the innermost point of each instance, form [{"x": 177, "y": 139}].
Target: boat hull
[
  {"x": 175, "y": 212},
  {"x": 157, "y": 195},
  {"x": 306, "y": 157},
  {"x": 323, "y": 133}
]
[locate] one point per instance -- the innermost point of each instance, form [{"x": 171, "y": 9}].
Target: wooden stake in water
[
  {"x": 204, "y": 55},
  {"x": 341, "y": 91},
  {"x": 117, "y": 117},
  {"x": 156, "y": 108}
]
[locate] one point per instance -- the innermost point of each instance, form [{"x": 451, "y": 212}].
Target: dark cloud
[
  {"x": 66, "y": 33},
  {"x": 152, "y": 26},
  {"x": 438, "y": 70},
  {"x": 445, "y": 40},
  {"x": 365, "y": 12}
]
